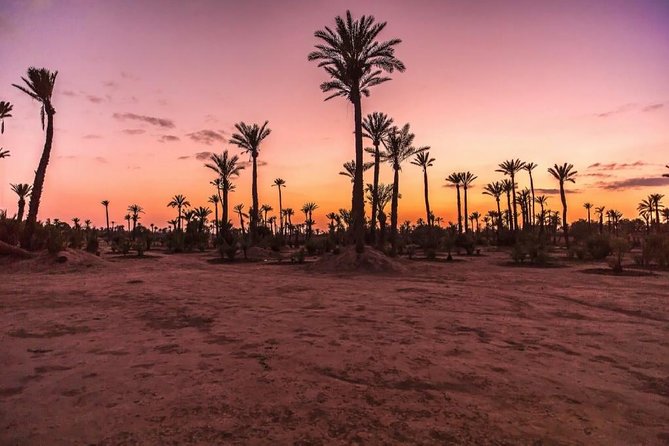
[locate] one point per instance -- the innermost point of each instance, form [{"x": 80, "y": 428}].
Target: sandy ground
[{"x": 174, "y": 350}]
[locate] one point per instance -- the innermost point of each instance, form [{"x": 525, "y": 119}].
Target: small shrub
[
  {"x": 298, "y": 257},
  {"x": 619, "y": 247},
  {"x": 92, "y": 243},
  {"x": 598, "y": 246}
]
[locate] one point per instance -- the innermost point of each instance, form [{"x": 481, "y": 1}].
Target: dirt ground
[{"x": 173, "y": 350}]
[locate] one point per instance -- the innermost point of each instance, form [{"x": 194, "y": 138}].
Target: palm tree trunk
[
  {"x": 280, "y": 210},
  {"x": 375, "y": 190},
  {"x": 499, "y": 217},
  {"x": 564, "y": 215},
  {"x": 393, "y": 211},
  {"x": 515, "y": 208},
  {"x": 254, "y": 192},
  {"x": 510, "y": 217},
  {"x": 457, "y": 188},
  {"x": 427, "y": 200},
  {"x": 532, "y": 220},
  {"x": 38, "y": 184},
  {"x": 107, "y": 218},
  {"x": 216, "y": 217},
  {"x": 224, "y": 211},
  {"x": 19, "y": 212},
  {"x": 358, "y": 193},
  {"x": 464, "y": 186}
]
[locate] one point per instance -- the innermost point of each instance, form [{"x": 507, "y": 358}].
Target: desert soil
[{"x": 173, "y": 350}]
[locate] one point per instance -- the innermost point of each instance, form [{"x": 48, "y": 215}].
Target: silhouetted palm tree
[
  {"x": 105, "y": 203},
  {"x": 600, "y": 211},
  {"x": 424, "y": 161},
  {"x": 4, "y": 153},
  {"x": 508, "y": 187},
  {"x": 239, "y": 209},
  {"x": 355, "y": 62},
  {"x": 279, "y": 183},
  {"x": 511, "y": 168},
  {"x": 541, "y": 200},
  {"x": 128, "y": 217},
  {"x": 564, "y": 173},
  {"x": 524, "y": 199},
  {"x": 248, "y": 138},
  {"x": 264, "y": 209},
  {"x": 587, "y": 207},
  {"x": 135, "y": 210},
  {"x": 22, "y": 190},
  {"x": 349, "y": 169},
  {"x": 5, "y": 112},
  {"x": 466, "y": 179},
  {"x": 456, "y": 179},
  {"x": 645, "y": 209},
  {"x": 475, "y": 218},
  {"x": 308, "y": 210},
  {"x": 375, "y": 127},
  {"x": 530, "y": 167},
  {"x": 179, "y": 201},
  {"x": 226, "y": 167},
  {"x": 39, "y": 86},
  {"x": 495, "y": 190},
  {"x": 202, "y": 214},
  {"x": 655, "y": 200},
  {"x": 215, "y": 199}
]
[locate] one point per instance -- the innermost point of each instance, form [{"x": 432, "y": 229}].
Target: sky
[{"x": 147, "y": 89}]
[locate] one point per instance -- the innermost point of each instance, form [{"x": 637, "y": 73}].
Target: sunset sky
[{"x": 147, "y": 88}]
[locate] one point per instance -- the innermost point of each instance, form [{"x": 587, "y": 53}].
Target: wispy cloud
[
  {"x": 630, "y": 107},
  {"x": 69, "y": 93},
  {"x": 101, "y": 159},
  {"x": 183, "y": 157},
  {"x": 110, "y": 84},
  {"x": 554, "y": 191},
  {"x": 159, "y": 122},
  {"x": 94, "y": 99},
  {"x": 133, "y": 131},
  {"x": 201, "y": 156},
  {"x": 92, "y": 136},
  {"x": 618, "y": 166},
  {"x": 633, "y": 183},
  {"x": 653, "y": 107},
  {"x": 207, "y": 137},
  {"x": 168, "y": 138}
]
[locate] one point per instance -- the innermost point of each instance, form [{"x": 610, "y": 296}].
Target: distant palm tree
[
  {"x": 375, "y": 127},
  {"x": 264, "y": 209},
  {"x": 76, "y": 221},
  {"x": 475, "y": 218},
  {"x": 279, "y": 183},
  {"x": 5, "y": 112},
  {"x": 495, "y": 190},
  {"x": 202, "y": 214},
  {"x": 105, "y": 203},
  {"x": 524, "y": 197},
  {"x": 600, "y": 211},
  {"x": 508, "y": 187},
  {"x": 456, "y": 179},
  {"x": 22, "y": 190},
  {"x": 39, "y": 86},
  {"x": 287, "y": 215},
  {"x": 239, "y": 209},
  {"x": 128, "y": 217},
  {"x": 355, "y": 62},
  {"x": 398, "y": 148},
  {"x": 511, "y": 168},
  {"x": 564, "y": 173},
  {"x": 135, "y": 210},
  {"x": 248, "y": 138},
  {"x": 645, "y": 209},
  {"x": 655, "y": 200},
  {"x": 308, "y": 210},
  {"x": 349, "y": 169},
  {"x": 214, "y": 199},
  {"x": 466, "y": 179},
  {"x": 530, "y": 167},
  {"x": 424, "y": 161},
  {"x": 587, "y": 207},
  {"x": 227, "y": 168},
  {"x": 541, "y": 200},
  {"x": 179, "y": 201}
]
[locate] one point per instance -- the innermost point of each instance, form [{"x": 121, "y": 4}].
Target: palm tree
[
  {"x": 525, "y": 207},
  {"x": 178, "y": 201},
  {"x": 646, "y": 209},
  {"x": 226, "y": 167},
  {"x": 39, "y": 86},
  {"x": 475, "y": 218},
  {"x": 530, "y": 167},
  {"x": 466, "y": 179},
  {"x": 600, "y": 211},
  {"x": 279, "y": 183},
  {"x": 5, "y": 112},
  {"x": 349, "y": 169},
  {"x": 128, "y": 217},
  {"x": 375, "y": 127},
  {"x": 456, "y": 179},
  {"x": 655, "y": 200},
  {"x": 214, "y": 199},
  {"x": 287, "y": 214},
  {"x": 398, "y": 148},
  {"x": 239, "y": 209},
  {"x": 76, "y": 221},
  {"x": 264, "y": 209},
  {"x": 511, "y": 168},
  {"x": 105, "y": 203},
  {"x": 541, "y": 200},
  {"x": 495, "y": 190},
  {"x": 308, "y": 210},
  {"x": 424, "y": 161},
  {"x": 4, "y": 153},
  {"x": 587, "y": 207},
  {"x": 248, "y": 138},
  {"x": 355, "y": 61},
  {"x": 135, "y": 210},
  {"x": 508, "y": 187},
  {"x": 202, "y": 214},
  {"x": 564, "y": 173},
  {"x": 22, "y": 190}
]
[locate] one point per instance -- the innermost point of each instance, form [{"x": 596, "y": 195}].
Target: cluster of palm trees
[{"x": 650, "y": 210}]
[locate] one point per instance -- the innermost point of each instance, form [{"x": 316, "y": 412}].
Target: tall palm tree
[
  {"x": 5, "y": 112},
  {"x": 179, "y": 201},
  {"x": 541, "y": 200},
  {"x": 456, "y": 179},
  {"x": 287, "y": 215},
  {"x": 508, "y": 187},
  {"x": 474, "y": 218},
  {"x": 424, "y": 161},
  {"x": 466, "y": 179},
  {"x": 135, "y": 210},
  {"x": 105, "y": 203},
  {"x": 308, "y": 210},
  {"x": 355, "y": 61},
  {"x": 128, "y": 217},
  {"x": 22, "y": 190},
  {"x": 202, "y": 214},
  {"x": 511, "y": 168},
  {"x": 279, "y": 183},
  {"x": 564, "y": 173},
  {"x": 495, "y": 190},
  {"x": 248, "y": 138},
  {"x": 587, "y": 207},
  {"x": 375, "y": 126},
  {"x": 398, "y": 148},
  {"x": 226, "y": 167},
  {"x": 600, "y": 211},
  {"x": 530, "y": 167},
  {"x": 239, "y": 209},
  {"x": 655, "y": 200},
  {"x": 39, "y": 86},
  {"x": 214, "y": 199}
]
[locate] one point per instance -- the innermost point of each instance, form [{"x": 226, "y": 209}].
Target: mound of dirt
[
  {"x": 67, "y": 260},
  {"x": 13, "y": 251},
  {"x": 370, "y": 261}
]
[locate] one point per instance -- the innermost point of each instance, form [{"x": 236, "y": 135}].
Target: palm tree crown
[
  {"x": 39, "y": 86},
  {"x": 5, "y": 112}
]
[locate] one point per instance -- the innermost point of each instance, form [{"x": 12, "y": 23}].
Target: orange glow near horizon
[{"x": 548, "y": 82}]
